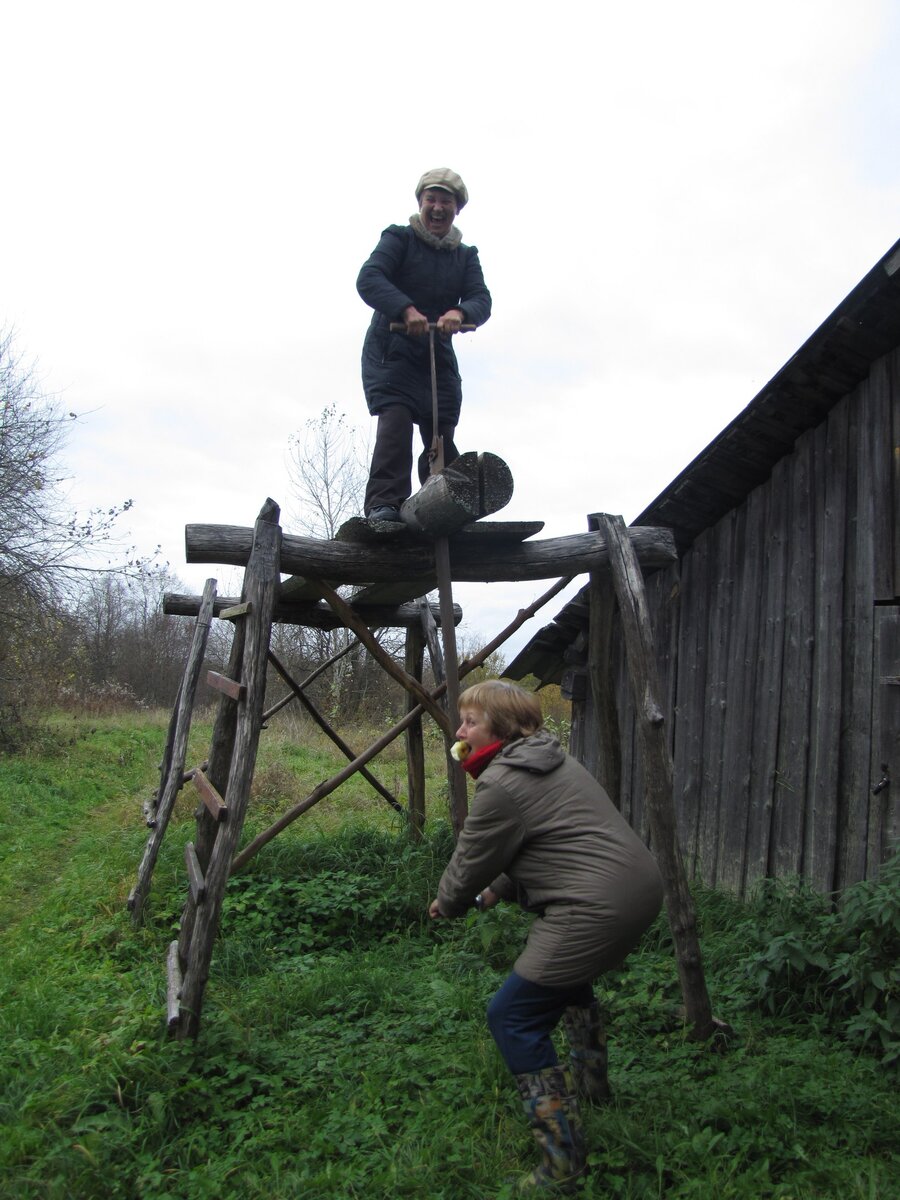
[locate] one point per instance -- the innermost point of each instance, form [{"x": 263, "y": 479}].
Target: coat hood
[{"x": 540, "y": 754}]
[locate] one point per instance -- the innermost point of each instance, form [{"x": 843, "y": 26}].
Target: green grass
[{"x": 343, "y": 1051}]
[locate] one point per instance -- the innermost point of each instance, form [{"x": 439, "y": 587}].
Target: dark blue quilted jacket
[{"x": 404, "y": 270}]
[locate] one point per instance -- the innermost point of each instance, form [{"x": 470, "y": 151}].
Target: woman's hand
[
  {"x": 450, "y": 322},
  {"x": 433, "y": 911},
  {"x": 489, "y": 898},
  {"x": 416, "y": 322}
]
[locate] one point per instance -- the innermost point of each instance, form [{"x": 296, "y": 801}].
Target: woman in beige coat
[{"x": 543, "y": 832}]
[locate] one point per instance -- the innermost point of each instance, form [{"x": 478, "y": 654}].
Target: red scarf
[{"x": 479, "y": 759}]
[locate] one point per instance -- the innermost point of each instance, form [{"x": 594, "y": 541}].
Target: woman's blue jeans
[{"x": 522, "y": 1015}]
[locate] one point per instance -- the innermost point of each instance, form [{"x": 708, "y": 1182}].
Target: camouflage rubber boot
[
  {"x": 550, "y": 1105},
  {"x": 587, "y": 1039}
]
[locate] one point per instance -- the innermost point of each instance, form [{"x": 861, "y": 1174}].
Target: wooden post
[
  {"x": 456, "y": 780},
  {"x": 603, "y": 693},
  {"x": 415, "y": 748},
  {"x": 261, "y": 581},
  {"x": 657, "y": 761}
]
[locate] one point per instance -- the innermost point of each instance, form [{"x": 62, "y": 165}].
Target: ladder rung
[
  {"x": 173, "y": 986},
  {"x": 210, "y": 797},
  {"x": 236, "y": 610},
  {"x": 223, "y": 684},
  {"x": 195, "y": 874}
]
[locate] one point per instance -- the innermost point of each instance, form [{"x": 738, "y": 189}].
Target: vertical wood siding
[{"x": 776, "y": 632}]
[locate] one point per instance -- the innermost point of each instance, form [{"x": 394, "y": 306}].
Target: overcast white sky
[{"x": 667, "y": 199}]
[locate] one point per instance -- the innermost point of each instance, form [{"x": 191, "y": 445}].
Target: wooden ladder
[
  {"x": 172, "y": 775},
  {"x": 224, "y": 788}
]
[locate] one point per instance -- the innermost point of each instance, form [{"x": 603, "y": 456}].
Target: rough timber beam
[
  {"x": 313, "y": 616},
  {"x": 340, "y": 562}
]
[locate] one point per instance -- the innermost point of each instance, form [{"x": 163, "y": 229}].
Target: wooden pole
[
  {"x": 261, "y": 581},
  {"x": 602, "y": 599},
  {"x": 456, "y": 780},
  {"x": 415, "y": 744},
  {"x": 657, "y": 761}
]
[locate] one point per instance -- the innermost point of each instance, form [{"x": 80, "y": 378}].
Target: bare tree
[
  {"x": 328, "y": 472},
  {"x": 43, "y": 544},
  {"x": 328, "y": 464},
  {"x": 41, "y": 539},
  {"x": 123, "y": 643}
]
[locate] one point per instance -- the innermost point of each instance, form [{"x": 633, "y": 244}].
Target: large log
[
  {"x": 339, "y": 562},
  {"x": 315, "y": 616},
  {"x": 472, "y": 486}
]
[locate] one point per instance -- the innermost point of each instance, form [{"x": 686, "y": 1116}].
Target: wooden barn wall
[{"x": 778, "y": 633}]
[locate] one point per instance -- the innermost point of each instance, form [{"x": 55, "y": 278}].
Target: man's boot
[
  {"x": 587, "y": 1039},
  {"x": 548, "y": 1098}
]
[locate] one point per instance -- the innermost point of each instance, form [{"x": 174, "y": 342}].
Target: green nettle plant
[{"x": 841, "y": 961}]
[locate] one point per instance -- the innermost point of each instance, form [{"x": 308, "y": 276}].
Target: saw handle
[{"x": 400, "y": 327}]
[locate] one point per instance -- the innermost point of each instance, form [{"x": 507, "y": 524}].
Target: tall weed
[{"x": 841, "y": 961}]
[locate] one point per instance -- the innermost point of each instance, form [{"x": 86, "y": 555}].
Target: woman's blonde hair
[{"x": 511, "y": 712}]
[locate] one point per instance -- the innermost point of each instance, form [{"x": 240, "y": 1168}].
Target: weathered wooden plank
[
  {"x": 790, "y": 791},
  {"x": 894, "y": 387},
  {"x": 734, "y": 796},
  {"x": 228, "y": 687},
  {"x": 693, "y": 659},
  {"x": 884, "y": 792},
  {"x": 215, "y": 805},
  {"x": 820, "y": 833},
  {"x": 360, "y": 529},
  {"x": 884, "y": 394},
  {"x": 768, "y": 690},
  {"x": 471, "y": 563},
  {"x": 234, "y": 611},
  {"x": 718, "y": 628},
  {"x": 865, "y": 443}
]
